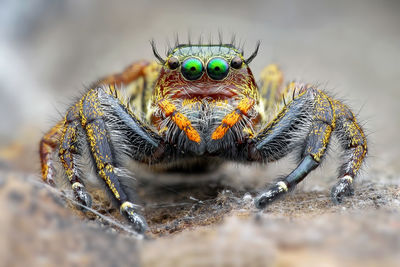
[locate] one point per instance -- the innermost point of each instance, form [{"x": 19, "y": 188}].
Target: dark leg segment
[
  {"x": 324, "y": 116},
  {"x": 354, "y": 144},
  {"x": 93, "y": 122},
  {"x": 69, "y": 152},
  {"x": 317, "y": 142},
  {"x": 280, "y": 188},
  {"x": 88, "y": 117}
]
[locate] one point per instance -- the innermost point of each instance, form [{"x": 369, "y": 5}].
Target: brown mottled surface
[
  {"x": 199, "y": 225},
  {"x": 37, "y": 229}
]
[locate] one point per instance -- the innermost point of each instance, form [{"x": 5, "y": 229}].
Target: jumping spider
[{"x": 200, "y": 105}]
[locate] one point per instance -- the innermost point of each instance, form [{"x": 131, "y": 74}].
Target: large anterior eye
[
  {"x": 192, "y": 68},
  {"x": 217, "y": 68}
]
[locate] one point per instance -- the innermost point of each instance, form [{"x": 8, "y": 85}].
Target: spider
[{"x": 200, "y": 106}]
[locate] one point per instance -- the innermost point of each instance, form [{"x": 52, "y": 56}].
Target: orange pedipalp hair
[
  {"x": 181, "y": 120},
  {"x": 232, "y": 118}
]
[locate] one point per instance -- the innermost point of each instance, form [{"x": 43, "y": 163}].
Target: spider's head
[
  {"x": 209, "y": 93},
  {"x": 206, "y": 71}
]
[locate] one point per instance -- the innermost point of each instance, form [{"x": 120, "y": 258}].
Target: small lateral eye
[
  {"x": 217, "y": 68},
  {"x": 236, "y": 62},
  {"x": 192, "y": 68},
  {"x": 173, "y": 63}
]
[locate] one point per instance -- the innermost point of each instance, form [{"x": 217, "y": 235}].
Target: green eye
[
  {"x": 192, "y": 68},
  {"x": 217, "y": 68}
]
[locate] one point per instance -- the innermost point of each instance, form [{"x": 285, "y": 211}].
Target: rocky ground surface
[{"x": 207, "y": 220}]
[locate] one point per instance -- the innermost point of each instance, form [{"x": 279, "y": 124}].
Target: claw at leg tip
[
  {"x": 138, "y": 222},
  {"x": 260, "y": 202},
  {"x": 81, "y": 195},
  {"x": 342, "y": 188},
  {"x": 278, "y": 190}
]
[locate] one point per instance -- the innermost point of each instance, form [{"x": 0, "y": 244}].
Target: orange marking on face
[
  {"x": 167, "y": 107},
  {"x": 227, "y": 122},
  {"x": 232, "y": 118},
  {"x": 181, "y": 120},
  {"x": 245, "y": 104}
]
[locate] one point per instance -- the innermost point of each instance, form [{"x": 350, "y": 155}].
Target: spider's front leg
[
  {"x": 139, "y": 142},
  {"x": 63, "y": 137},
  {"x": 88, "y": 119},
  {"x": 307, "y": 122}
]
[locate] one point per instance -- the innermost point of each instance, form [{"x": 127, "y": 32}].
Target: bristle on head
[
  {"x": 232, "y": 43},
  {"x": 252, "y": 56},
  {"x": 155, "y": 52}
]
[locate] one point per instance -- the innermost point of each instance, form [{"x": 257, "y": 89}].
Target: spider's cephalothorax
[
  {"x": 205, "y": 99},
  {"x": 201, "y": 105}
]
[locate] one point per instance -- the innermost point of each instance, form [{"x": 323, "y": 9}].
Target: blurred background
[{"x": 50, "y": 50}]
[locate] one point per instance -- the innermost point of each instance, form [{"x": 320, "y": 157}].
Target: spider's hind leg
[
  {"x": 270, "y": 84},
  {"x": 48, "y": 145},
  {"x": 354, "y": 144}
]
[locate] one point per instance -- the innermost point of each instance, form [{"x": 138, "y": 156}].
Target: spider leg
[
  {"x": 86, "y": 117},
  {"x": 306, "y": 122},
  {"x": 63, "y": 137},
  {"x": 138, "y": 80},
  {"x": 280, "y": 188},
  {"x": 95, "y": 106},
  {"x": 48, "y": 145},
  {"x": 354, "y": 144},
  {"x": 271, "y": 79},
  {"x": 69, "y": 153},
  {"x": 129, "y": 74}
]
